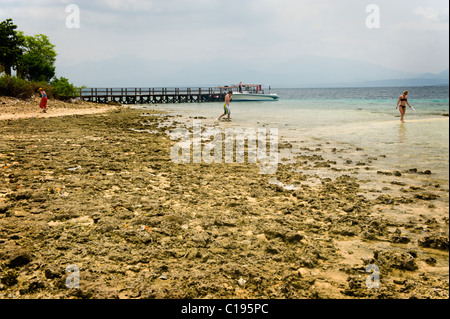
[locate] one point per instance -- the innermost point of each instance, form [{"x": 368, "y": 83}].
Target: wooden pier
[{"x": 152, "y": 95}]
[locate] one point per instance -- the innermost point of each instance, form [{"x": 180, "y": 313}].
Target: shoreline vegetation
[
  {"x": 100, "y": 192},
  {"x": 60, "y": 88}
]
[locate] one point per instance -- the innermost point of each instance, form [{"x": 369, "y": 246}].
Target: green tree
[
  {"x": 62, "y": 87},
  {"x": 38, "y": 60},
  {"x": 11, "y": 42}
]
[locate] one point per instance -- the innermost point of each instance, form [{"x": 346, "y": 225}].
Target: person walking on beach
[
  {"x": 226, "y": 106},
  {"x": 402, "y": 101},
  {"x": 43, "y": 104}
]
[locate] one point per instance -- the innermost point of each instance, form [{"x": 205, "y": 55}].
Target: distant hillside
[
  {"x": 426, "y": 79},
  {"x": 444, "y": 75},
  {"x": 405, "y": 83},
  {"x": 303, "y": 71}
]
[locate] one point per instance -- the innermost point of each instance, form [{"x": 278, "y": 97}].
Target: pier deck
[{"x": 152, "y": 95}]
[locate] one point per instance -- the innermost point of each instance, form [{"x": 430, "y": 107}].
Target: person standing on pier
[{"x": 226, "y": 106}]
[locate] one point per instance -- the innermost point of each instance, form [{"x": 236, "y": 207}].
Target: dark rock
[
  {"x": 361, "y": 164},
  {"x": 272, "y": 250},
  {"x": 398, "y": 183},
  {"x": 20, "y": 195},
  {"x": 385, "y": 199},
  {"x": 293, "y": 237},
  {"x": 33, "y": 286},
  {"x": 437, "y": 242},
  {"x": 368, "y": 235},
  {"x": 345, "y": 230},
  {"x": 18, "y": 259},
  {"x": 348, "y": 208},
  {"x": 398, "y": 238},
  {"x": 39, "y": 198},
  {"x": 9, "y": 278},
  {"x": 431, "y": 261},
  {"x": 4, "y": 208},
  {"x": 426, "y": 196},
  {"x": 398, "y": 260},
  {"x": 51, "y": 273}
]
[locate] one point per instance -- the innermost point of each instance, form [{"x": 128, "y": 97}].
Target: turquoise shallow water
[{"x": 363, "y": 118}]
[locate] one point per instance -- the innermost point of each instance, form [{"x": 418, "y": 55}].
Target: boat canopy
[
  {"x": 259, "y": 86},
  {"x": 254, "y": 88}
]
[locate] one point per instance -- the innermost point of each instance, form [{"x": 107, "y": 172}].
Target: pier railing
[{"x": 152, "y": 95}]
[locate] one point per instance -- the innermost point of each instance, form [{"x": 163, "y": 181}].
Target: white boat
[
  {"x": 249, "y": 96},
  {"x": 250, "y": 92}
]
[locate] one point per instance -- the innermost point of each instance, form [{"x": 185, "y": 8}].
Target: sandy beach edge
[{"x": 13, "y": 108}]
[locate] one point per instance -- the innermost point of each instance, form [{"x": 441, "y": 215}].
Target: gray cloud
[{"x": 413, "y": 35}]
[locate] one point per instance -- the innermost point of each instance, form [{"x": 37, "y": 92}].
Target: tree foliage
[
  {"x": 11, "y": 45},
  {"x": 33, "y": 57},
  {"x": 63, "y": 88},
  {"x": 38, "y": 59}
]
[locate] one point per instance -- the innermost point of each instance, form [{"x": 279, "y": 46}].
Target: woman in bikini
[{"x": 402, "y": 101}]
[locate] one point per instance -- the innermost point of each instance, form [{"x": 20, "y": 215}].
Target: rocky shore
[{"x": 100, "y": 194}]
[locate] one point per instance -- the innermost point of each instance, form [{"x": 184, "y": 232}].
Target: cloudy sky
[{"x": 413, "y": 35}]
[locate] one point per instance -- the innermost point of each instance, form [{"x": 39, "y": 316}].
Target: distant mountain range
[
  {"x": 426, "y": 79},
  {"x": 303, "y": 71}
]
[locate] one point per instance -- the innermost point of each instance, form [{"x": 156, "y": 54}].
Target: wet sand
[{"x": 100, "y": 192}]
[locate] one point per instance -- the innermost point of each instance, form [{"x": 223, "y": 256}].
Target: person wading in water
[
  {"x": 402, "y": 101},
  {"x": 226, "y": 106}
]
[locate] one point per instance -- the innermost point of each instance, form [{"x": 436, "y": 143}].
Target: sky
[{"x": 412, "y": 35}]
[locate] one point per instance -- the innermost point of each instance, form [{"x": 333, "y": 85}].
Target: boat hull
[{"x": 241, "y": 97}]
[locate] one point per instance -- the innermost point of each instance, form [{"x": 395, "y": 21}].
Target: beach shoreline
[
  {"x": 14, "y": 108},
  {"x": 100, "y": 192}
]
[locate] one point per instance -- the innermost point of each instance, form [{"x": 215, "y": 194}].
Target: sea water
[{"x": 349, "y": 118}]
